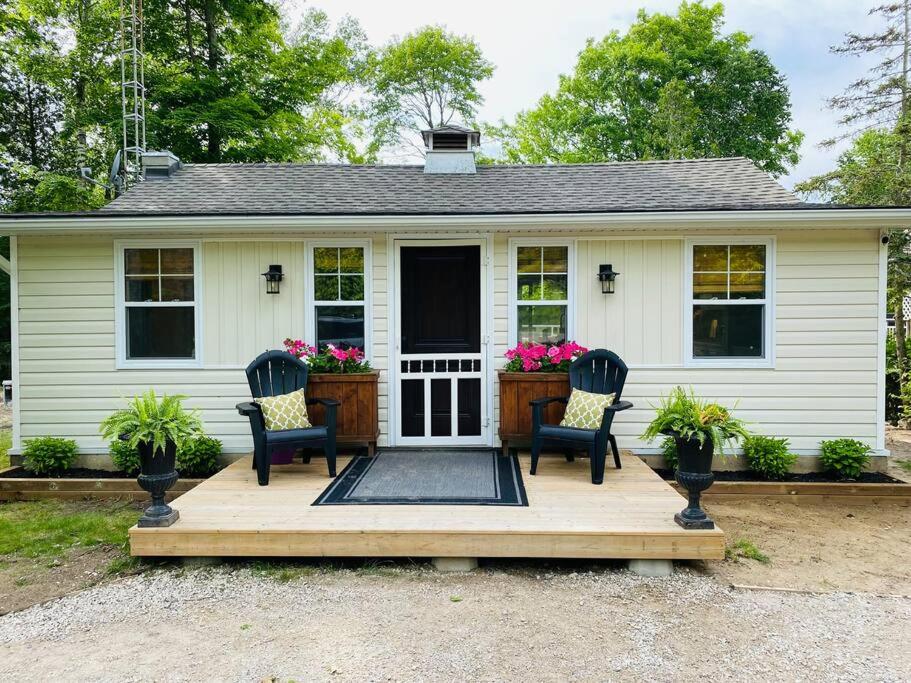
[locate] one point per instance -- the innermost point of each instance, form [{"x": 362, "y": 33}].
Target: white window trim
[
  {"x": 570, "y": 244},
  {"x": 309, "y": 289},
  {"x": 122, "y": 362},
  {"x": 768, "y": 361}
]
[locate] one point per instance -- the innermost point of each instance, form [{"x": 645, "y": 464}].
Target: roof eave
[{"x": 822, "y": 218}]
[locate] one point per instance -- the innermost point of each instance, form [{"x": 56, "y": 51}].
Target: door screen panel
[{"x": 440, "y": 360}]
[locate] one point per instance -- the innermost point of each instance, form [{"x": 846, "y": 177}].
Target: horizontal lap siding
[
  {"x": 67, "y": 358},
  {"x": 826, "y": 322},
  {"x": 824, "y": 383}
]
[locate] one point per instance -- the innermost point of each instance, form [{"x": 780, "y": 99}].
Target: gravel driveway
[{"x": 230, "y": 624}]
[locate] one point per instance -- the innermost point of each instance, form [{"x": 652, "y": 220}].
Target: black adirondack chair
[
  {"x": 600, "y": 372},
  {"x": 274, "y": 373}
]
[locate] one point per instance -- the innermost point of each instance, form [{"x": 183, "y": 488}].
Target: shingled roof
[{"x": 322, "y": 189}]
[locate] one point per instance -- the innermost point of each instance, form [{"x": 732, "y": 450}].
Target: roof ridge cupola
[{"x": 450, "y": 149}]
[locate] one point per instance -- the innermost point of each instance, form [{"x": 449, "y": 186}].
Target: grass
[
  {"x": 744, "y": 548},
  {"x": 905, "y": 465},
  {"x": 6, "y": 442},
  {"x": 48, "y": 530}
]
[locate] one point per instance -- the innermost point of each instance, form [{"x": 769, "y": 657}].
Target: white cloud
[{"x": 532, "y": 42}]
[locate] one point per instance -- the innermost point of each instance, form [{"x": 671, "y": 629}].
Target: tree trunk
[
  {"x": 901, "y": 355},
  {"x": 212, "y": 132},
  {"x": 32, "y": 133}
]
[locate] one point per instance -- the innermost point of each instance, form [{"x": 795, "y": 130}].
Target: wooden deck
[{"x": 630, "y": 516}]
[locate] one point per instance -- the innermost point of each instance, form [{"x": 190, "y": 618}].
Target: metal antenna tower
[{"x": 132, "y": 90}]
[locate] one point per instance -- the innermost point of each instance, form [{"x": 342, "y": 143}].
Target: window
[
  {"x": 339, "y": 295},
  {"x": 158, "y": 294},
  {"x": 729, "y": 301},
  {"x": 541, "y": 292}
]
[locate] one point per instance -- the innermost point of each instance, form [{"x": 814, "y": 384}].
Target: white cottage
[{"x": 727, "y": 283}]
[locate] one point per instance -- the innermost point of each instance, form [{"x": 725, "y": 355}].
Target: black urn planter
[
  {"x": 694, "y": 473},
  {"x": 157, "y": 475}
]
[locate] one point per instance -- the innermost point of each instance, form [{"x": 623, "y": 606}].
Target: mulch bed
[
  {"x": 805, "y": 477},
  {"x": 72, "y": 473}
]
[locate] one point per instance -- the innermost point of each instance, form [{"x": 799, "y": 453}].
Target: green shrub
[
  {"x": 198, "y": 457},
  {"x": 125, "y": 457},
  {"x": 769, "y": 457},
  {"x": 49, "y": 455},
  {"x": 669, "y": 449},
  {"x": 845, "y": 458}
]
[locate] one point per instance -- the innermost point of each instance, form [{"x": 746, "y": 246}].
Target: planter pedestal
[
  {"x": 694, "y": 473},
  {"x": 156, "y": 476}
]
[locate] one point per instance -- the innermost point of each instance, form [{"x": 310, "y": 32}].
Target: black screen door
[{"x": 440, "y": 359}]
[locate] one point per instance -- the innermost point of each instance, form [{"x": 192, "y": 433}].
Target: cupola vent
[{"x": 450, "y": 149}]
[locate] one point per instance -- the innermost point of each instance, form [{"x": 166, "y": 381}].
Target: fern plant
[
  {"x": 148, "y": 420},
  {"x": 682, "y": 414}
]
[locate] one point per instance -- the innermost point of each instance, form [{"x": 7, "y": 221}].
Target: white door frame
[{"x": 486, "y": 276}]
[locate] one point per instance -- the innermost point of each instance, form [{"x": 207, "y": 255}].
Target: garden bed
[
  {"x": 78, "y": 483},
  {"x": 809, "y": 487}
]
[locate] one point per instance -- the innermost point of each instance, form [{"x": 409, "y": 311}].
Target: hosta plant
[
  {"x": 694, "y": 419},
  {"x": 149, "y": 420}
]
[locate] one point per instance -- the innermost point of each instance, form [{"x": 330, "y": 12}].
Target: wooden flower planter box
[
  {"x": 517, "y": 389},
  {"x": 357, "y": 421}
]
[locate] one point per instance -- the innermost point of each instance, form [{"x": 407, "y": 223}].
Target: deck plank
[{"x": 629, "y": 516}]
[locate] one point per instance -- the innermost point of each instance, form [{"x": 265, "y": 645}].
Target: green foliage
[
  {"x": 125, "y": 457},
  {"x": 744, "y": 548},
  {"x": 672, "y": 87},
  {"x": 681, "y": 413},
  {"x": 49, "y": 455},
  {"x": 198, "y": 457},
  {"x": 48, "y": 529},
  {"x": 845, "y": 458},
  {"x": 146, "y": 419},
  {"x": 669, "y": 450},
  {"x": 767, "y": 456},
  {"x": 6, "y": 442},
  {"x": 425, "y": 79}
]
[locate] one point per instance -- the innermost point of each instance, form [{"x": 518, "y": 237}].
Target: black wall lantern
[
  {"x": 273, "y": 277},
  {"x": 607, "y": 276}
]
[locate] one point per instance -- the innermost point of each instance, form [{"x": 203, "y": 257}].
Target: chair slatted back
[
  {"x": 273, "y": 373},
  {"x": 600, "y": 372}
]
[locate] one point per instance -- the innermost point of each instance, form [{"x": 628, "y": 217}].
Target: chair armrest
[
  {"x": 323, "y": 401},
  {"x": 620, "y": 405},
  {"x": 248, "y": 408},
  {"x": 548, "y": 399}
]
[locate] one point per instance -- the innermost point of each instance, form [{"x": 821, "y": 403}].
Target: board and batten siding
[{"x": 824, "y": 383}]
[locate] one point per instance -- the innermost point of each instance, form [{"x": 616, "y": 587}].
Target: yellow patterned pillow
[
  {"x": 288, "y": 411},
  {"x": 585, "y": 410}
]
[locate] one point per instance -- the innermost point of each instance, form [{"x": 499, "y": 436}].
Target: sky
[{"x": 532, "y": 42}]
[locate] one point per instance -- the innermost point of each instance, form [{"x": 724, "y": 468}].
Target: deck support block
[
  {"x": 455, "y": 564},
  {"x": 651, "y": 568}
]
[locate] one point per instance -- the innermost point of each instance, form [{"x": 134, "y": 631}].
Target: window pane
[
  {"x": 177, "y": 289},
  {"x": 340, "y": 325},
  {"x": 160, "y": 332},
  {"x": 142, "y": 288},
  {"x": 351, "y": 260},
  {"x": 554, "y": 287},
  {"x": 710, "y": 257},
  {"x": 352, "y": 287},
  {"x": 556, "y": 259},
  {"x": 528, "y": 259},
  {"x": 529, "y": 288},
  {"x": 325, "y": 260},
  {"x": 710, "y": 285},
  {"x": 325, "y": 287},
  {"x": 541, "y": 323},
  {"x": 749, "y": 257},
  {"x": 747, "y": 285},
  {"x": 728, "y": 331},
  {"x": 177, "y": 261},
  {"x": 140, "y": 261}
]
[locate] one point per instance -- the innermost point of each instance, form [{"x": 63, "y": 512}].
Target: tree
[
  {"x": 671, "y": 87},
  {"x": 424, "y": 80},
  {"x": 228, "y": 81},
  {"x": 877, "y": 113}
]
